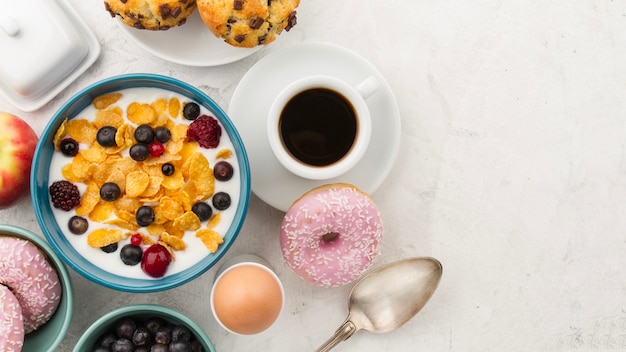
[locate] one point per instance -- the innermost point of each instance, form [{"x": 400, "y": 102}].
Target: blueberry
[
  {"x": 109, "y": 248},
  {"x": 142, "y": 337},
  {"x": 106, "y": 136},
  {"x": 191, "y": 111},
  {"x": 78, "y": 225},
  {"x": 110, "y": 191},
  {"x": 144, "y": 216},
  {"x": 122, "y": 345},
  {"x": 196, "y": 346},
  {"x": 125, "y": 328},
  {"x": 180, "y": 346},
  {"x": 181, "y": 333},
  {"x": 139, "y": 152},
  {"x": 69, "y": 147},
  {"x": 154, "y": 323},
  {"x": 223, "y": 171},
  {"x": 131, "y": 255},
  {"x": 202, "y": 210},
  {"x": 102, "y": 349},
  {"x": 159, "y": 348},
  {"x": 144, "y": 134},
  {"x": 163, "y": 335},
  {"x": 163, "y": 134},
  {"x": 142, "y": 349},
  {"x": 107, "y": 340},
  {"x": 221, "y": 200},
  {"x": 167, "y": 169}
]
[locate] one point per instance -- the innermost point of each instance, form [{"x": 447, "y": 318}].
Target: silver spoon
[{"x": 388, "y": 297}]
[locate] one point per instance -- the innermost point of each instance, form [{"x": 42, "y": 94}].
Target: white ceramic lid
[{"x": 45, "y": 45}]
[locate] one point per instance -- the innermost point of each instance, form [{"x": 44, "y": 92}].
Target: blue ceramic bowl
[
  {"x": 140, "y": 312},
  {"x": 48, "y": 337},
  {"x": 40, "y": 182}
]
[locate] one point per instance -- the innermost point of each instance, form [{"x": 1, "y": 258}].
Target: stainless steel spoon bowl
[{"x": 388, "y": 297}]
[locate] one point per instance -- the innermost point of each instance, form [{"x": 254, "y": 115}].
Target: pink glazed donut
[
  {"x": 25, "y": 270},
  {"x": 331, "y": 234},
  {"x": 11, "y": 322}
]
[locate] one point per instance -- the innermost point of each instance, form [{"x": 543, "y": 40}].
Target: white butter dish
[{"x": 47, "y": 46}]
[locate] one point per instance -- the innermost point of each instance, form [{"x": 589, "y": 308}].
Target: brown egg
[{"x": 247, "y": 299}]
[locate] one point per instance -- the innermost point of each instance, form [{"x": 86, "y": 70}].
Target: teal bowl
[
  {"x": 140, "y": 312},
  {"x": 48, "y": 337},
  {"x": 40, "y": 183}
]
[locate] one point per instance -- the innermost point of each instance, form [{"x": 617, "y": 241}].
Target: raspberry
[
  {"x": 65, "y": 195},
  {"x": 206, "y": 131}
]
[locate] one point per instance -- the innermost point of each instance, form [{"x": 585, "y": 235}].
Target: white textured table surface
[{"x": 512, "y": 172}]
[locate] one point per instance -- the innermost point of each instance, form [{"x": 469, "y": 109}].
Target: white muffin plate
[
  {"x": 253, "y": 97},
  {"x": 191, "y": 44}
]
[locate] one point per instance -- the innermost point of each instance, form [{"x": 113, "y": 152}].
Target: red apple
[{"x": 17, "y": 146}]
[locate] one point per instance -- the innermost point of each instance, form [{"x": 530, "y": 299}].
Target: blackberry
[
  {"x": 65, "y": 195},
  {"x": 206, "y": 131}
]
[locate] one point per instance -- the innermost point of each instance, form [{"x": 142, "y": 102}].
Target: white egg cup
[{"x": 239, "y": 261}]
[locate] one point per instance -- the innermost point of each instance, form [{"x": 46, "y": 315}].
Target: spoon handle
[{"x": 346, "y": 330}]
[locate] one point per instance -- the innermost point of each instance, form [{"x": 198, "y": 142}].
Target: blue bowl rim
[
  {"x": 74, "y": 106},
  {"x": 140, "y": 309},
  {"x": 66, "y": 283}
]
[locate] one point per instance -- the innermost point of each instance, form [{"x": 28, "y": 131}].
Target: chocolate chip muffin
[
  {"x": 248, "y": 23},
  {"x": 151, "y": 14}
]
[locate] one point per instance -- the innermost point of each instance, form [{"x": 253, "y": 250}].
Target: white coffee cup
[
  {"x": 319, "y": 127},
  {"x": 247, "y": 297}
]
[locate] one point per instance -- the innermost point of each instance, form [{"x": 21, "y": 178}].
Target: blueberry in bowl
[{"x": 144, "y": 327}]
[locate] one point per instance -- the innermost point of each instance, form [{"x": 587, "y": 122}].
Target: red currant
[
  {"x": 136, "y": 239},
  {"x": 155, "y": 261},
  {"x": 156, "y": 149}
]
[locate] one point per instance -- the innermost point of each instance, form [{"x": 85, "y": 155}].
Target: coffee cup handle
[{"x": 368, "y": 87}]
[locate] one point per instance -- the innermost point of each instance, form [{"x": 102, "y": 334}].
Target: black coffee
[{"x": 318, "y": 126}]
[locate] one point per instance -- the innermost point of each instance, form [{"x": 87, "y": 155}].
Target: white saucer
[
  {"x": 191, "y": 44},
  {"x": 252, "y": 99}
]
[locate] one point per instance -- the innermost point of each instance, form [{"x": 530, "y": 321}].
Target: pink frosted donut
[
  {"x": 331, "y": 234},
  {"x": 25, "y": 270},
  {"x": 11, "y": 322}
]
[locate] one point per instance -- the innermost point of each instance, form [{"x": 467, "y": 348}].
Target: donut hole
[{"x": 330, "y": 237}]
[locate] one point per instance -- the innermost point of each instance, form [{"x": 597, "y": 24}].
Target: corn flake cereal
[
  {"x": 103, "y": 101},
  {"x": 211, "y": 239},
  {"x": 141, "y": 182},
  {"x": 81, "y": 130},
  {"x": 141, "y": 114},
  {"x": 136, "y": 183},
  {"x": 103, "y": 237},
  {"x": 58, "y": 135}
]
